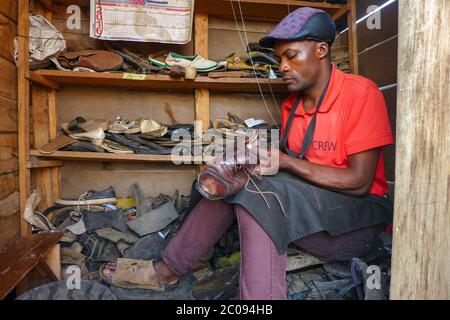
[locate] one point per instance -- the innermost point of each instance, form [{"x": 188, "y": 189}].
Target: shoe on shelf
[
  {"x": 80, "y": 129},
  {"x": 95, "y": 136},
  {"x": 97, "y": 60},
  {"x": 262, "y": 59},
  {"x": 83, "y": 146},
  {"x": 237, "y": 63},
  {"x": 195, "y": 61},
  {"x": 59, "y": 142},
  {"x": 91, "y": 197},
  {"x": 122, "y": 125},
  {"x": 152, "y": 128},
  {"x": 80, "y": 125},
  {"x": 114, "y": 147},
  {"x": 159, "y": 59}
]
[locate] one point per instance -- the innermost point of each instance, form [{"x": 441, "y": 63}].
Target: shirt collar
[{"x": 334, "y": 89}]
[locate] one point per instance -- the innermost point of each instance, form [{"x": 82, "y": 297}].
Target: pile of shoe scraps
[
  {"x": 257, "y": 61},
  {"x": 98, "y": 227},
  {"x": 142, "y": 136}
]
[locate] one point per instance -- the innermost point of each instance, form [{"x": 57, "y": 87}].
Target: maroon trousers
[{"x": 262, "y": 269}]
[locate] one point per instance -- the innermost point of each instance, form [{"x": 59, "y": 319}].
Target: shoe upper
[{"x": 196, "y": 61}]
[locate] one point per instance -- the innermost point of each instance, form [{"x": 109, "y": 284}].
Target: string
[{"x": 248, "y": 56}]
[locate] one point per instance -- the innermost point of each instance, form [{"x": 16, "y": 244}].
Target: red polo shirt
[{"x": 353, "y": 118}]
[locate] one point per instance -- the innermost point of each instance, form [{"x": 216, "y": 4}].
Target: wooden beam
[
  {"x": 52, "y": 114},
  {"x": 420, "y": 260},
  {"x": 48, "y": 4},
  {"x": 46, "y": 82},
  {"x": 201, "y": 48},
  {"x": 35, "y": 163},
  {"x": 53, "y": 172},
  {"x": 352, "y": 37},
  {"x": 44, "y": 126},
  {"x": 110, "y": 157},
  {"x": 23, "y": 109},
  {"x": 342, "y": 11},
  {"x": 159, "y": 82}
]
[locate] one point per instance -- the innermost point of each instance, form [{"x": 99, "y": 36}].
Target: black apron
[{"x": 307, "y": 209}]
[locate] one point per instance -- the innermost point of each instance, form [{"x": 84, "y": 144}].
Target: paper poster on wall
[{"x": 165, "y": 21}]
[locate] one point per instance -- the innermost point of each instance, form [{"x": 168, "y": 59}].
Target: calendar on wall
[{"x": 165, "y": 21}]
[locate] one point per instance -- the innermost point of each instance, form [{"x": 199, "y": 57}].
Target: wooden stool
[{"x": 39, "y": 251}]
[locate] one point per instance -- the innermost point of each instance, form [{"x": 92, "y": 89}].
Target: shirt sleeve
[{"x": 368, "y": 123}]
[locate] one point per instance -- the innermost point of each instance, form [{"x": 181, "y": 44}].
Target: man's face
[{"x": 299, "y": 63}]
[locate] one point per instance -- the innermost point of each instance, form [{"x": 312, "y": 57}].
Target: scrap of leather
[{"x": 98, "y": 60}]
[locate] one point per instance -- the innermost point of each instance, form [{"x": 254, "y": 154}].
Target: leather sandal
[{"x": 132, "y": 274}]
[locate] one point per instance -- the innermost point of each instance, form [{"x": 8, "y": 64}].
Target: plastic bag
[{"x": 45, "y": 41}]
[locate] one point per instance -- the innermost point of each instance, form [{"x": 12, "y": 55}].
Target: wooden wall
[
  {"x": 9, "y": 197},
  {"x": 421, "y": 256},
  {"x": 378, "y": 61},
  {"x": 168, "y": 107}
]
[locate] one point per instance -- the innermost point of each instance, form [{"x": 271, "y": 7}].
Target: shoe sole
[{"x": 85, "y": 202}]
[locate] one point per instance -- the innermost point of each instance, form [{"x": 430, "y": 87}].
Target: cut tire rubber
[{"x": 89, "y": 290}]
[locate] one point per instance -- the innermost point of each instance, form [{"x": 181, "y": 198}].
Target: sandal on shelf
[{"x": 131, "y": 274}]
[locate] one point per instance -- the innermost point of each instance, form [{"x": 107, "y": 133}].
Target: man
[{"x": 331, "y": 183}]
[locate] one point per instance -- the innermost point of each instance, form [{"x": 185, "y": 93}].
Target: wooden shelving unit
[
  {"x": 45, "y": 169},
  {"x": 53, "y": 79}
]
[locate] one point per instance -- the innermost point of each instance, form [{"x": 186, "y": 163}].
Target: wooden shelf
[
  {"x": 54, "y": 78},
  {"x": 256, "y": 10},
  {"x": 260, "y": 10},
  {"x": 108, "y": 157}
]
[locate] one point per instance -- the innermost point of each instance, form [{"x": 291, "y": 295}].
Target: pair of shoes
[
  {"x": 195, "y": 61},
  {"x": 91, "y": 197}
]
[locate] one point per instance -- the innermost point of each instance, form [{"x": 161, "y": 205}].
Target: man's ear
[{"x": 323, "y": 49}]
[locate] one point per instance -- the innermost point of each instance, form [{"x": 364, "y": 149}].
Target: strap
[{"x": 309, "y": 135}]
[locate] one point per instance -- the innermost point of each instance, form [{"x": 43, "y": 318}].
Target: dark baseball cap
[{"x": 302, "y": 24}]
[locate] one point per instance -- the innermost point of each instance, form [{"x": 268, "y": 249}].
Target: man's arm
[{"x": 356, "y": 180}]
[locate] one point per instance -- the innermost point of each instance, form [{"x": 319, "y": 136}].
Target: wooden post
[
  {"x": 201, "y": 48},
  {"x": 352, "y": 37},
  {"x": 44, "y": 116},
  {"x": 23, "y": 110},
  {"x": 421, "y": 251},
  {"x": 202, "y": 112}
]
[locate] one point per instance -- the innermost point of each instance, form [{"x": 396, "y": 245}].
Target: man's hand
[{"x": 268, "y": 160}]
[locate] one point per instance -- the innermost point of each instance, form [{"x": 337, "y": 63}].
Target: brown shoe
[{"x": 219, "y": 181}]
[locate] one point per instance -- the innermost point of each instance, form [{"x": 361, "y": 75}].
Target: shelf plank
[
  {"x": 260, "y": 10},
  {"x": 256, "y": 10},
  {"x": 109, "y": 157},
  {"x": 38, "y": 164},
  {"x": 158, "y": 82}
]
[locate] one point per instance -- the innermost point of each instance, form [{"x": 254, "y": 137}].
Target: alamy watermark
[{"x": 74, "y": 277}]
